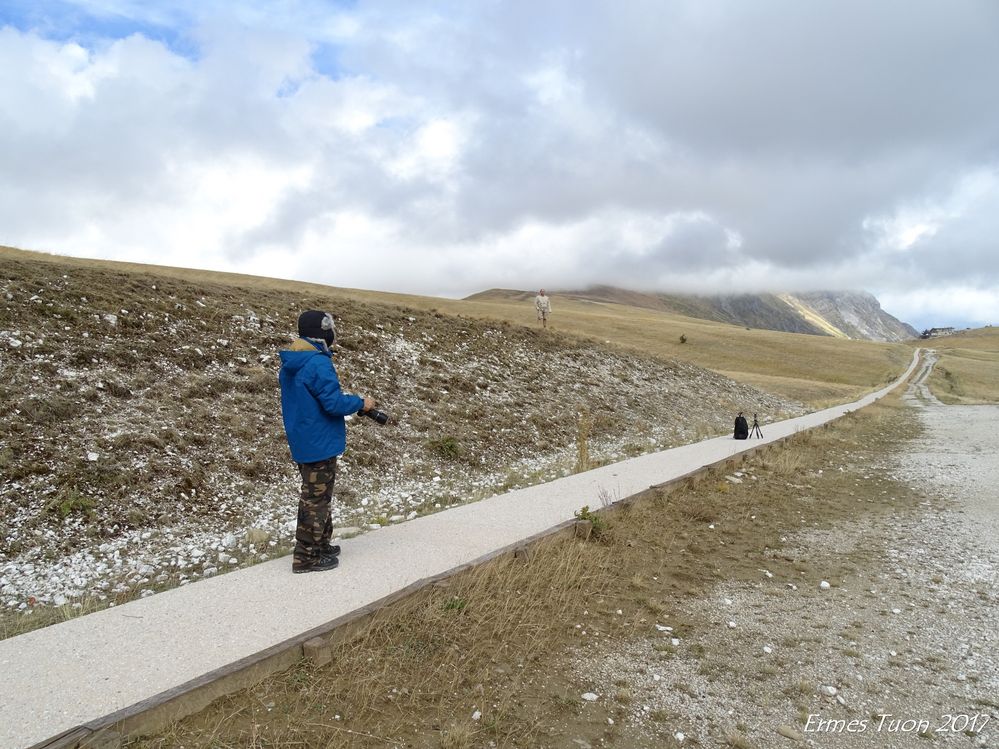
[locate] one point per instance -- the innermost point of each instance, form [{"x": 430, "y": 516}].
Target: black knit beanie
[{"x": 317, "y": 324}]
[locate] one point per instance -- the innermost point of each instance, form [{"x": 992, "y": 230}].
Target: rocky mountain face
[
  {"x": 858, "y": 314},
  {"x": 846, "y": 314}
]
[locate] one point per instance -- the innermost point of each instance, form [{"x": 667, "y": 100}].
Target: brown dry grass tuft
[
  {"x": 786, "y": 463},
  {"x": 584, "y": 428}
]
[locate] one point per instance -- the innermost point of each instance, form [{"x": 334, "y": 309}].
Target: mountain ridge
[{"x": 841, "y": 314}]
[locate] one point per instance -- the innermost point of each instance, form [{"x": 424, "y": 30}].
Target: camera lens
[{"x": 379, "y": 416}]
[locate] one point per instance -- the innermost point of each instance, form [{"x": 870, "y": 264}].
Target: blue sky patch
[
  {"x": 67, "y": 22},
  {"x": 326, "y": 60}
]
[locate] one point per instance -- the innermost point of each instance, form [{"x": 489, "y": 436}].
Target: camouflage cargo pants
[{"x": 315, "y": 527}]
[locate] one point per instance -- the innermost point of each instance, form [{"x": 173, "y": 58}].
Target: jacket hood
[{"x": 295, "y": 356}]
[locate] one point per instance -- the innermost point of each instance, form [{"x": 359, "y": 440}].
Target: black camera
[{"x": 380, "y": 416}]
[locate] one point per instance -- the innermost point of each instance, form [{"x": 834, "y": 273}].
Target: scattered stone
[
  {"x": 590, "y": 697},
  {"x": 828, "y": 690},
  {"x": 476, "y": 715},
  {"x": 824, "y": 585}
]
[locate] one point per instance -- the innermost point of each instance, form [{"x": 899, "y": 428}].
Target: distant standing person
[
  {"x": 313, "y": 407},
  {"x": 544, "y": 307}
]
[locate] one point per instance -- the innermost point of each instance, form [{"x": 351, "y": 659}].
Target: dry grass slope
[
  {"x": 816, "y": 370},
  {"x": 968, "y": 370}
]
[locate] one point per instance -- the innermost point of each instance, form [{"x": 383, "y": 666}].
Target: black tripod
[{"x": 754, "y": 430}]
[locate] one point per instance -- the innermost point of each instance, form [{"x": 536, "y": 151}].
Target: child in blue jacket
[{"x": 313, "y": 407}]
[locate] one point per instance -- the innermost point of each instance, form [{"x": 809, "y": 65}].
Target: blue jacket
[{"x": 312, "y": 404}]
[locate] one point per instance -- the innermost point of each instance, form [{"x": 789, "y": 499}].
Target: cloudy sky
[{"x": 448, "y": 147}]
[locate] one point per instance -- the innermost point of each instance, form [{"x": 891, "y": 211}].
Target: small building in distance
[{"x": 937, "y": 332}]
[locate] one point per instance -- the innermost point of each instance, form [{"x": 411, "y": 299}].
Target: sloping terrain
[
  {"x": 766, "y": 311},
  {"x": 141, "y": 445},
  {"x": 842, "y": 314},
  {"x": 968, "y": 370},
  {"x": 816, "y": 369}
]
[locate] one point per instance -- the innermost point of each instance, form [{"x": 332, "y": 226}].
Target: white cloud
[
  {"x": 451, "y": 147},
  {"x": 943, "y": 306},
  {"x": 431, "y": 152}
]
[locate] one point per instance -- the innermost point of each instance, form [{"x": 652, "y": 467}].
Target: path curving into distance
[{"x": 918, "y": 391}]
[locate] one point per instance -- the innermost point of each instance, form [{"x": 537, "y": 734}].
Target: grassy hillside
[
  {"x": 817, "y": 370},
  {"x": 968, "y": 370},
  {"x": 767, "y": 311},
  {"x": 141, "y": 443}
]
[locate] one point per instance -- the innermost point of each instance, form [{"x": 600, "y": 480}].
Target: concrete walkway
[{"x": 59, "y": 677}]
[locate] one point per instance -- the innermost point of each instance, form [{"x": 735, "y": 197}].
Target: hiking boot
[
  {"x": 325, "y": 563},
  {"x": 328, "y": 550}
]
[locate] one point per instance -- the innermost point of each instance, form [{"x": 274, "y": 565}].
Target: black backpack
[{"x": 741, "y": 428}]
